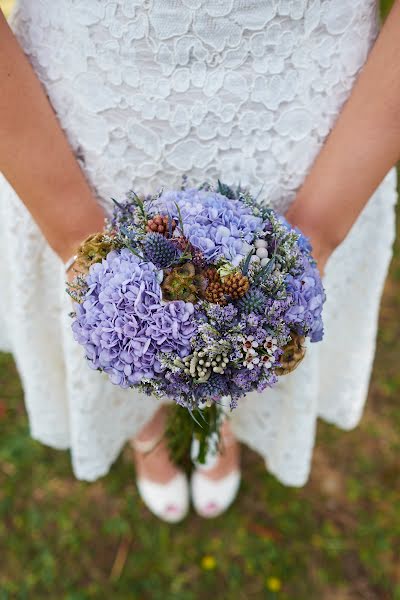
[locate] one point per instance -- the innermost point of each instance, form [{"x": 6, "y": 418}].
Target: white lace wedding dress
[{"x": 237, "y": 89}]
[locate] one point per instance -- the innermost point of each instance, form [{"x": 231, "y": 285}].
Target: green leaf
[
  {"x": 246, "y": 263},
  {"x": 265, "y": 271},
  {"x": 179, "y": 217},
  {"x": 194, "y": 418},
  {"x": 117, "y": 203}
]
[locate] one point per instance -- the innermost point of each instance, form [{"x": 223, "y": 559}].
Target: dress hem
[{"x": 102, "y": 471}]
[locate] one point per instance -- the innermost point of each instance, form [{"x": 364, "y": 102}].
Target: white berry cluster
[{"x": 261, "y": 253}]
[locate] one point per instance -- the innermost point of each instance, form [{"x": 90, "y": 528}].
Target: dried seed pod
[
  {"x": 235, "y": 285},
  {"x": 212, "y": 275},
  {"x": 195, "y": 366},
  {"x": 161, "y": 224},
  {"x": 197, "y": 256},
  {"x": 293, "y": 354},
  {"x": 92, "y": 250},
  {"x": 200, "y": 366},
  {"x": 215, "y": 293},
  {"x": 181, "y": 242},
  {"x": 181, "y": 283}
]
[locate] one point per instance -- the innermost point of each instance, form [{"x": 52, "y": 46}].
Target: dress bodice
[{"x": 244, "y": 90}]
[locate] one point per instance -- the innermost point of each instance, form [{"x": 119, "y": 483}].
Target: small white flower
[
  {"x": 267, "y": 364},
  {"x": 271, "y": 345},
  {"x": 251, "y": 359},
  {"x": 249, "y": 343},
  {"x": 251, "y": 352}
]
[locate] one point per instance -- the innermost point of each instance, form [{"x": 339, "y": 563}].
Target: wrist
[
  {"x": 321, "y": 255},
  {"x": 321, "y": 239},
  {"x": 76, "y": 230}
]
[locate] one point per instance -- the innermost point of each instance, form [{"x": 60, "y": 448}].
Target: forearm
[
  {"x": 35, "y": 156},
  {"x": 363, "y": 145}
]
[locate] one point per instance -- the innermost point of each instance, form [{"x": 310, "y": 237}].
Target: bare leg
[{"x": 156, "y": 464}]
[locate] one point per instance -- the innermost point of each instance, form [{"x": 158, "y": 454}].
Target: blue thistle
[
  {"x": 213, "y": 389},
  {"x": 252, "y": 302},
  {"x": 160, "y": 251}
]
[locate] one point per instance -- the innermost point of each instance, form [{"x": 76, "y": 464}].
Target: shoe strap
[{"x": 144, "y": 447}]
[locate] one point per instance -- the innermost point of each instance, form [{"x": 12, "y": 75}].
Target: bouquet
[{"x": 198, "y": 295}]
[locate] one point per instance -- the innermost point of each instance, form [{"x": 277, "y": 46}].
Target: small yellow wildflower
[
  {"x": 208, "y": 562},
  {"x": 274, "y": 584}
]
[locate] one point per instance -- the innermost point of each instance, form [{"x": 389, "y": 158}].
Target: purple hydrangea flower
[
  {"x": 122, "y": 323},
  {"x": 308, "y": 295},
  {"x": 172, "y": 327},
  {"x": 213, "y": 223}
]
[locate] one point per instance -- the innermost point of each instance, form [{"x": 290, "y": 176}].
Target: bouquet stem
[{"x": 183, "y": 426}]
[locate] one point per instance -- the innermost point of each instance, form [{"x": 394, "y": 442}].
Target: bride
[{"x": 300, "y": 98}]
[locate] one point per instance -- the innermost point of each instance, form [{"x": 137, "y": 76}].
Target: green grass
[{"x": 338, "y": 538}]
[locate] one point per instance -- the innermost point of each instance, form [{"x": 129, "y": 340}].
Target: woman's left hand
[
  {"x": 321, "y": 255},
  {"x": 363, "y": 145}
]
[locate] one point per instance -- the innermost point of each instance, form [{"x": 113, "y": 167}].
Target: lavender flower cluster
[{"x": 204, "y": 294}]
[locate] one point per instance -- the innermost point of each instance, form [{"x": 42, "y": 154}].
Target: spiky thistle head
[
  {"x": 160, "y": 251},
  {"x": 252, "y": 302},
  {"x": 213, "y": 389}
]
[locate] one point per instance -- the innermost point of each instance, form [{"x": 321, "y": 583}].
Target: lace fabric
[
  {"x": 146, "y": 90},
  {"x": 241, "y": 89}
]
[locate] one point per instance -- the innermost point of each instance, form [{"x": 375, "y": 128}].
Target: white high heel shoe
[
  {"x": 212, "y": 497},
  {"x": 168, "y": 501}
]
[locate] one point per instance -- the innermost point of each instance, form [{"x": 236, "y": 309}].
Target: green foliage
[{"x": 182, "y": 425}]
